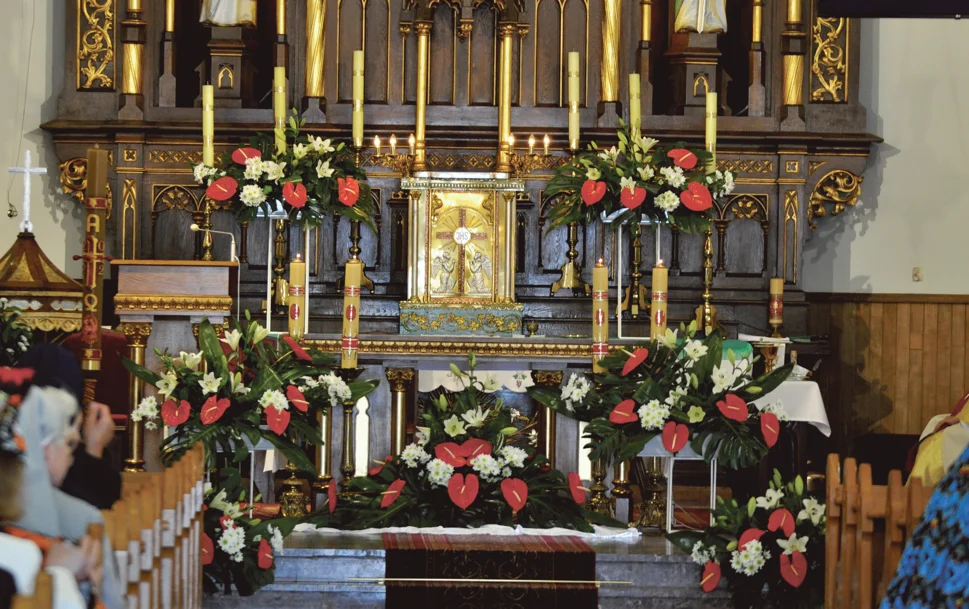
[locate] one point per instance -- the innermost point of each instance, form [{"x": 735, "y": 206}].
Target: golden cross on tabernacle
[{"x": 461, "y": 236}]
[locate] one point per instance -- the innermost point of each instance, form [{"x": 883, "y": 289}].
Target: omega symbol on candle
[
  {"x": 351, "y": 312},
  {"x": 294, "y": 311}
]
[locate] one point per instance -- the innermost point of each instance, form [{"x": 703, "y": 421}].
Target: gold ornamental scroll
[
  {"x": 96, "y": 206},
  {"x": 609, "y": 74},
  {"x": 315, "y": 47}
]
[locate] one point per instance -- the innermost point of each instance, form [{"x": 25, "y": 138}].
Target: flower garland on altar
[
  {"x": 771, "y": 550},
  {"x": 471, "y": 465},
  {"x": 251, "y": 388},
  {"x": 311, "y": 178},
  {"x": 238, "y": 551},
  {"x": 679, "y": 388},
  {"x": 665, "y": 183}
]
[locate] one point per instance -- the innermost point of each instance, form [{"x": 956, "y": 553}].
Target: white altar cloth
[
  {"x": 610, "y": 533},
  {"x": 801, "y": 402}
]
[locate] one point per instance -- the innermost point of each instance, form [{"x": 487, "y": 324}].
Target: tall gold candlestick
[
  {"x": 208, "y": 125},
  {"x": 279, "y": 108},
  {"x": 573, "y": 101},
  {"x": 634, "y": 103},
  {"x": 351, "y": 313},
  {"x": 358, "y": 66},
  {"x": 657, "y": 319},
  {"x": 711, "y": 129},
  {"x": 297, "y": 292},
  {"x": 600, "y": 314}
]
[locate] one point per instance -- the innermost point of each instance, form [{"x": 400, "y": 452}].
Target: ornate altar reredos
[{"x": 474, "y": 258}]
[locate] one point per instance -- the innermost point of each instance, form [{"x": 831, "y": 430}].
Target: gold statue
[
  {"x": 702, "y": 16},
  {"x": 229, "y": 13}
]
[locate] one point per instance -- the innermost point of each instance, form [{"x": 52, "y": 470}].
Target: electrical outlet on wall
[{"x": 917, "y": 275}]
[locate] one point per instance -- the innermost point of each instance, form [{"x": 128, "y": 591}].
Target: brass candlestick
[
  {"x": 636, "y": 296},
  {"x": 346, "y": 459},
  {"x": 706, "y": 314},
  {"x": 207, "y": 227},
  {"x": 400, "y": 163},
  {"x": 598, "y": 501},
  {"x": 292, "y": 502},
  {"x": 572, "y": 271},
  {"x": 324, "y": 457},
  {"x": 280, "y": 285},
  {"x": 652, "y": 508},
  {"x": 524, "y": 164}
]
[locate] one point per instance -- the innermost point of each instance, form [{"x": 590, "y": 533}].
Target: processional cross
[
  {"x": 27, "y": 170},
  {"x": 462, "y": 236}
]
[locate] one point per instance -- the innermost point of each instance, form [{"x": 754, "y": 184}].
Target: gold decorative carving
[
  {"x": 73, "y": 179},
  {"x": 746, "y": 207},
  {"x": 464, "y": 323},
  {"x": 400, "y": 378},
  {"x": 226, "y": 78},
  {"x": 136, "y": 333},
  {"x": 450, "y": 347},
  {"x": 791, "y": 204},
  {"x": 701, "y": 79},
  {"x": 95, "y": 44},
  {"x": 126, "y": 303},
  {"x": 130, "y": 155},
  {"x": 522, "y": 30},
  {"x": 464, "y": 28},
  {"x": 793, "y": 80},
  {"x": 406, "y": 28},
  {"x": 792, "y": 166},
  {"x": 839, "y": 189},
  {"x": 814, "y": 166},
  {"x": 548, "y": 378},
  {"x": 762, "y": 166},
  {"x": 829, "y": 68},
  {"x": 53, "y": 322},
  {"x": 174, "y": 156},
  {"x": 129, "y": 203}
]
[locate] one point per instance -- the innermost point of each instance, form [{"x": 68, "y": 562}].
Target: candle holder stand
[
  {"x": 524, "y": 164},
  {"x": 636, "y": 297},
  {"x": 354, "y": 250},
  {"x": 280, "y": 249},
  {"x": 292, "y": 502},
  {"x": 652, "y": 507},
  {"x": 706, "y": 314},
  {"x": 207, "y": 227},
  {"x": 324, "y": 457},
  {"x": 347, "y": 453},
  {"x": 571, "y": 278},
  {"x": 403, "y": 164},
  {"x": 598, "y": 501}
]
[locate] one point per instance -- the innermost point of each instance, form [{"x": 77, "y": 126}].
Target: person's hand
[
  {"x": 71, "y": 557},
  {"x": 93, "y": 563},
  {"x": 98, "y": 429}
]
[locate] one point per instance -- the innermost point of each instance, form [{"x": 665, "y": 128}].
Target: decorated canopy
[{"x": 49, "y": 300}]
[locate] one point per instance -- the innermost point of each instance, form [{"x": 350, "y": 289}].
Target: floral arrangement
[
  {"x": 15, "y": 334},
  {"x": 254, "y": 388},
  {"x": 312, "y": 178},
  {"x": 665, "y": 183},
  {"x": 677, "y": 387},
  {"x": 470, "y": 465},
  {"x": 771, "y": 549},
  {"x": 237, "y": 550}
]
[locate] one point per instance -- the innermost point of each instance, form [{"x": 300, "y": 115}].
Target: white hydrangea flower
[
  {"x": 673, "y": 176},
  {"x": 414, "y": 454},
  {"x": 771, "y": 499},
  {"x": 488, "y": 467},
  {"x": 252, "y": 195},
  {"x": 506, "y": 472},
  {"x": 309, "y": 382},
  {"x": 253, "y": 169},
  {"x": 653, "y": 415},
  {"x": 202, "y": 173},
  {"x": 514, "y": 456},
  {"x": 336, "y": 388},
  {"x": 439, "y": 472},
  {"x": 751, "y": 559},
  {"x": 774, "y": 408},
  {"x": 667, "y": 201},
  {"x": 275, "y": 399},
  {"x": 146, "y": 410}
]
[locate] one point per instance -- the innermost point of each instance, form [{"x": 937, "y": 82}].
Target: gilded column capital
[
  {"x": 400, "y": 378},
  {"x": 137, "y": 333},
  {"x": 464, "y": 28},
  {"x": 406, "y": 28},
  {"x": 423, "y": 28},
  {"x": 548, "y": 378},
  {"x": 507, "y": 29}
]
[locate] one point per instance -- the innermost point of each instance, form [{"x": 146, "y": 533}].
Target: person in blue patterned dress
[{"x": 934, "y": 569}]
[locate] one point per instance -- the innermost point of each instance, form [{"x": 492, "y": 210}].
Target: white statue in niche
[
  {"x": 701, "y": 16},
  {"x": 229, "y": 13}
]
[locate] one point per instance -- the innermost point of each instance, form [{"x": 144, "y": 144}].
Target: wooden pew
[
  {"x": 42, "y": 598},
  {"x": 832, "y": 537}
]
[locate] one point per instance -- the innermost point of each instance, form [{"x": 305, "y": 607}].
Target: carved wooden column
[
  {"x": 167, "y": 82},
  {"x": 132, "y": 101},
  {"x": 137, "y": 335},
  {"x": 401, "y": 380},
  {"x": 314, "y": 103},
  {"x": 794, "y": 42},
  {"x": 546, "y": 439},
  {"x": 610, "y": 109}
]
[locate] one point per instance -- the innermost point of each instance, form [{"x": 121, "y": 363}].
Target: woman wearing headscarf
[
  {"x": 21, "y": 559},
  {"x": 91, "y": 478},
  {"x": 48, "y": 420}
]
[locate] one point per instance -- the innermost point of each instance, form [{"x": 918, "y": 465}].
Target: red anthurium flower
[
  {"x": 748, "y": 536},
  {"x": 213, "y": 409},
  {"x": 794, "y": 568},
  {"x": 298, "y": 351},
  {"x": 15, "y": 376},
  {"x": 733, "y": 407},
  {"x": 711, "y": 577},
  {"x": 770, "y": 427},
  {"x": 278, "y": 420},
  {"x": 638, "y": 357},
  {"x": 15, "y": 401},
  {"x": 515, "y": 492},
  {"x": 296, "y": 398},
  {"x": 623, "y": 413},
  {"x": 474, "y": 447},
  {"x": 265, "y": 554},
  {"x": 682, "y": 158},
  {"x": 675, "y": 436},
  {"x": 392, "y": 493},
  {"x": 174, "y": 415},
  {"x": 632, "y": 200},
  {"x": 294, "y": 193},
  {"x": 696, "y": 197},
  {"x": 592, "y": 192},
  {"x": 781, "y": 519},
  {"x": 575, "y": 487},
  {"x": 208, "y": 549},
  {"x": 373, "y": 471},
  {"x": 226, "y": 521},
  {"x": 450, "y": 453},
  {"x": 349, "y": 191},
  {"x": 241, "y": 155},
  {"x": 463, "y": 490},
  {"x": 331, "y": 496},
  {"x": 222, "y": 189}
]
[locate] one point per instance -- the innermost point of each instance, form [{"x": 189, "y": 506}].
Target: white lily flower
[
  {"x": 259, "y": 334},
  {"x": 166, "y": 386},
  {"x": 813, "y": 510},
  {"x": 593, "y": 173},
  {"x": 646, "y": 173},
  {"x": 320, "y": 145},
  {"x": 453, "y": 426},
  {"x": 323, "y": 170},
  {"x": 695, "y": 349},
  {"x": 475, "y": 418},
  {"x": 232, "y": 339},
  {"x": 299, "y": 151},
  {"x": 238, "y": 388},
  {"x": 629, "y": 183},
  {"x": 423, "y": 435},
  {"x": 191, "y": 360},
  {"x": 210, "y": 384},
  {"x": 793, "y": 544},
  {"x": 771, "y": 499},
  {"x": 669, "y": 339},
  {"x": 723, "y": 377}
]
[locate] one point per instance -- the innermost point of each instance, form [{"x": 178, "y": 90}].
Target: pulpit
[{"x": 160, "y": 304}]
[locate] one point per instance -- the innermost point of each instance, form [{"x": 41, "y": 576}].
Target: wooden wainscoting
[{"x": 897, "y": 360}]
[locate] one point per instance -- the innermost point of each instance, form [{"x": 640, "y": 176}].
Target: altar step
[{"x": 315, "y": 571}]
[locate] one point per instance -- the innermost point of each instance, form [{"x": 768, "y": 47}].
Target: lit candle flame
[
  {"x": 531, "y": 144},
  {"x": 410, "y": 144},
  {"x": 511, "y": 141},
  {"x": 376, "y": 143},
  {"x": 393, "y": 144},
  {"x": 546, "y": 142}
]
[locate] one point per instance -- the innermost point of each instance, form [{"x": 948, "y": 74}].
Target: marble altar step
[{"x": 315, "y": 571}]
